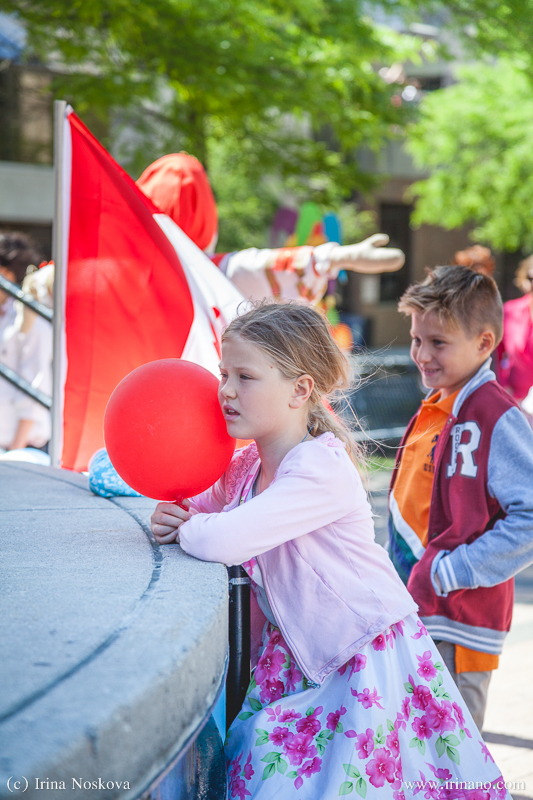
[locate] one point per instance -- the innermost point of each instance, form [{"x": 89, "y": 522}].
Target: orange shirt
[
  {"x": 414, "y": 482},
  {"x": 412, "y": 492}
]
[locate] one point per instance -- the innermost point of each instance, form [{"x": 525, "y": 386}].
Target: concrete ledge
[{"x": 113, "y": 648}]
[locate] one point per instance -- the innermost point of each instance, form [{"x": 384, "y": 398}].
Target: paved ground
[{"x": 508, "y": 727}]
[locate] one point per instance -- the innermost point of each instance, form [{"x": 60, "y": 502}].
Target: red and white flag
[{"x": 134, "y": 288}]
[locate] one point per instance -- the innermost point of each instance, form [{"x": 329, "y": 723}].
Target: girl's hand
[{"x": 166, "y": 521}]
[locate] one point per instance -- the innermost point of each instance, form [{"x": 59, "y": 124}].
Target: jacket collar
[{"x": 483, "y": 375}]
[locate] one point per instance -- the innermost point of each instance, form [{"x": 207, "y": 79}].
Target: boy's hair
[
  {"x": 297, "y": 339},
  {"x": 461, "y": 297}
]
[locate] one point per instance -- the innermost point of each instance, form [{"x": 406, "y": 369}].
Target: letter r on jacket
[{"x": 466, "y": 449}]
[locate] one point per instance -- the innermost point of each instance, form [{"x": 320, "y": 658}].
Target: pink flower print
[
  {"x": 250, "y": 566},
  {"x": 460, "y": 718},
  {"x": 432, "y": 792},
  {"x": 235, "y": 767},
  {"x": 288, "y": 716},
  {"x": 310, "y": 725},
  {"x": 365, "y": 743},
  {"x": 275, "y": 637},
  {"x": 270, "y": 691},
  {"x": 398, "y": 796},
  {"x": 293, "y": 676},
  {"x": 334, "y": 718},
  {"x": 440, "y": 716},
  {"x": 367, "y": 698},
  {"x": 393, "y": 743},
  {"x": 440, "y": 774},
  {"x": 310, "y": 767},
  {"x": 406, "y": 707},
  {"x": 426, "y": 669},
  {"x": 356, "y": 664},
  {"x": 422, "y": 697},
  {"x": 400, "y": 722},
  {"x": 399, "y": 626},
  {"x": 360, "y": 663},
  {"x": 421, "y": 727},
  {"x": 421, "y": 630},
  {"x": 381, "y": 768},
  {"x": 379, "y": 643},
  {"x": 269, "y": 665},
  {"x": 459, "y": 714},
  {"x": 300, "y": 747},
  {"x": 398, "y": 774},
  {"x": 298, "y": 783},
  {"x": 390, "y": 635},
  {"x": 279, "y": 736},
  {"x": 238, "y": 788},
  {"x": 248, "y": 769},
  {"x": 498, "y": 786},
  {"x": 486, "y": 752}
]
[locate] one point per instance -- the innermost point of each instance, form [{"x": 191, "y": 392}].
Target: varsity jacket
[{"x": 480, "y": 531}]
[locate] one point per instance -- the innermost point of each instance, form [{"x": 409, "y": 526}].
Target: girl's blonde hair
[{"x": 297, "y": 339}]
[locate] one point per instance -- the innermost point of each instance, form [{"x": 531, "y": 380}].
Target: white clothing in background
[{"x": 30, "y": 356}]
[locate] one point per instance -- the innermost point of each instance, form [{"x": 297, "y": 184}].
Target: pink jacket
[{"x": 331, "y": 588}]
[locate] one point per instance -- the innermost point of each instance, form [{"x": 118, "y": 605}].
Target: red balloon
[{"x": 164, "y": 430}]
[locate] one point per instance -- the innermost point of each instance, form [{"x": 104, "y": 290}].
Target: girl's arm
[
  {"x": 168, "y": 517},
  {"x": 316, "y": 487}
]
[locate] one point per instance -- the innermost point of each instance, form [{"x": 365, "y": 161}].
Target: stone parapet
[{"x": 113, "y": 649}]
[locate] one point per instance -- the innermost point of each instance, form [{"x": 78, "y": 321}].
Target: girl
[{"x": 349, "y": 692}]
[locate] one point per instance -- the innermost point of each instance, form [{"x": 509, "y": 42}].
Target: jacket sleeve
[
  {"x": 213, "y": 499},
  {"x": 309, "y": 492},
  {"x": 507, "y": 548}
]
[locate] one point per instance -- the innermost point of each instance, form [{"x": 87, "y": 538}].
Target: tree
[
  {"x": 474, "y": 138},
  {"x": 287, "y": 89}
]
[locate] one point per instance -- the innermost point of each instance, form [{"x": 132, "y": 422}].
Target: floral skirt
[{"x": 390, "y": 723}]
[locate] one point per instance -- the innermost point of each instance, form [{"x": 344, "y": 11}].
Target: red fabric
[
  {"x": 127, "y": 298},
  {"x": 515, "y": 352},
  {"x": 217, "y": 258},
  {"x": 178, "y": 185}
]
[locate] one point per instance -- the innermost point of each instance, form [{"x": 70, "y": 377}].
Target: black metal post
[
  {"x": 14, "y": 290},
  {"x": 238, "y": 678},
  {"x": 11, "y": 376}
]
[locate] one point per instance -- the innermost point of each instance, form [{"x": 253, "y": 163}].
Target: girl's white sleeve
[{"x": 310, "y": 492}]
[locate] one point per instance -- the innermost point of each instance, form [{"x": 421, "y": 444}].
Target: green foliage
[
  {"x": 485, "y": 26},
  {"x": 251, "y": 87},
  {"x": 474, "y": 139}
]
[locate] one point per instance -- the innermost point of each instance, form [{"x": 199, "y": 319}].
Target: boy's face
[{"x": 447, "y": 357}]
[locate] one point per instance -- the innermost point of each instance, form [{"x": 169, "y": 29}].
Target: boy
[{"x": 461, "y": 497}]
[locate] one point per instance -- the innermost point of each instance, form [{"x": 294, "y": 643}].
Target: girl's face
[{"x": 257, "y": 401}]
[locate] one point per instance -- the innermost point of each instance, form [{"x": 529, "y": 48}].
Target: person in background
[
  {"x": 25, "y": 347},
  {"x": 478, "y": 258},
  {"x": 178, "y": 185},
  {"x": 515, "y": 352},
  {"x": 461, "y": 502}
]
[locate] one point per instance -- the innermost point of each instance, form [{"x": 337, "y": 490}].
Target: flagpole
[{"x": 58, "y": 257}]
